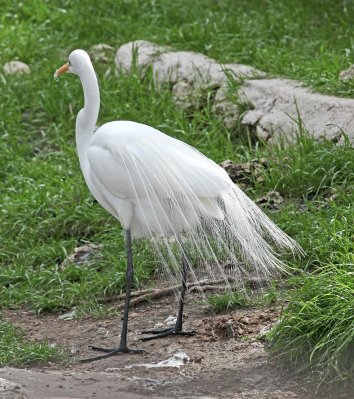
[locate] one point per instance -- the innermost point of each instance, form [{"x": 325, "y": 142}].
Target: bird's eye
[{"x": 69, "y": 63}]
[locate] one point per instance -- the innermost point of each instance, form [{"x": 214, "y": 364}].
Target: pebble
[
  {"x": 101, "y": 52},
  {"x": 347, "y": 74},
  {"x": 16, "y": 67}
]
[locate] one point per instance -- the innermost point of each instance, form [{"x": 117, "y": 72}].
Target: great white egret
[{"x": 159, "y": 187}]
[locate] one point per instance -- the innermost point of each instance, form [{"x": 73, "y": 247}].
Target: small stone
[
  {"x": 240, "y": 331},
  {"x": 244, "y": 174},
  {"x": 69, "y": 316},
  {"x": 347, "y": 74},
  {"x": 272, "y": 200},
  {"x": 112, "y": 369},
  {"x": 81, "y": 254},
  {"x": 102, "y": 331},
  {"x": 101, "y": 52},
  {"x": 229, "y": 329},
  {"x": 75, "y": 348},
  {"x": 265, "y": 330},
  {"x": 16, "y": 67},
  {"x": 245, "y": 320},
  {"x": 170, "y": 321}
]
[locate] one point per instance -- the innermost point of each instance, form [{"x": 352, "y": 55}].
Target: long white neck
[{"x": 87, "y": 117}]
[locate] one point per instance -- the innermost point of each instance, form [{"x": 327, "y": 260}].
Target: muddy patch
[{"x": 225, "y": 359}]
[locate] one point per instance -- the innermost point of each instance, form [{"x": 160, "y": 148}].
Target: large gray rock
[
  {"x": 271, "y": 108},
  {"x": 174, "y": 66},
  {"x": 187, "y": 72},
  {"x": 277, "y": 105}
]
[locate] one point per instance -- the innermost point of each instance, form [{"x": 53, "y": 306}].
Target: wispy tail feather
[{"x": 216, "y": 229}]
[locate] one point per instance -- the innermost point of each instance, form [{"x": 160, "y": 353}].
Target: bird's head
[{"x": 78, "y": 60}]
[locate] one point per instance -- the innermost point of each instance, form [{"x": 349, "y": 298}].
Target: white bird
[{"x": 158, "y": 187}]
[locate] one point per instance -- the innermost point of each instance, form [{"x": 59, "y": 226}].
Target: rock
[
  {"x": 170, "y": 321},
  {"x": 75, "y": 348},
  {"x": 230, "y": 333},
  {"x": 190, "y": 74},
  {"x": 10, "y": 390},
  {"x": 16, "y": 67},
  {"x": 347, "y": 74},
  {"x": 265, "y": 330},
  {"x": 69, "y": 316},
  {"x": 139, "y": 52},
  {"x": 272, "y": 106},
  {"x": 184, "y": 95},
  {"x": 271, "y": 200},
  {"x": 81, "y": 254},
  {"x": 277, "y": 104},
  {"x": 172, "y": 66},
  {"x": 226, "y": 109},
  {"x": 101, "y": 52},
  {"x": 244, "y": 174}
]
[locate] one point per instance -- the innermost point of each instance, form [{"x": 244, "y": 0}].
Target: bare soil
[{"x": 219, "y": 365}]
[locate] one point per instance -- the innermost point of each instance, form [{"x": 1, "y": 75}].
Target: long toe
[
  {"x": 98, "y": 349},
  {"x": 164, "y": 330},
  {"x": 111, "y": 352},
  {"x": 166, "y": 333}
]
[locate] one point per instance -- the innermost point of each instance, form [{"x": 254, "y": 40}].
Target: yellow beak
[{"x": 61, "y": 70}]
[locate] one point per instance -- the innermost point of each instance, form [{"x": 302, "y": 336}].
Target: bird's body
[
  {"x": 158, "y": 187},
  {"x": 140, "y": 175}
]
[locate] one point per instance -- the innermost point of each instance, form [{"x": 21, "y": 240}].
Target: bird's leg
[
  {"x": 122, "y": 348},
  {"x": 177, "y": 329},
  {"x": 179, "y": 321}
]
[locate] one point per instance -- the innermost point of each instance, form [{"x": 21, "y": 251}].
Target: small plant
[
  {"x": 228, "y": 301},
  {"x": 271, "y": 295},
  {"x": 15, "y": 351}
]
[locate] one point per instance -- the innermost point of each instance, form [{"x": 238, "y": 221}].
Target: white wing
[{"x": 163, "y": 178}]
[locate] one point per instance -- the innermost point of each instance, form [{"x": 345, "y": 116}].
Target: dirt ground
[{"x": 213, "y": 363}]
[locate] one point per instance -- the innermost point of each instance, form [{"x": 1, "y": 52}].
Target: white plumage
[
  {"x": 158, "y": 187},
  {"x": 152, "y": 183}
]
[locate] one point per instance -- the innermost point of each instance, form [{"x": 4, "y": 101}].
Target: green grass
[
  {"x": 307, "y": 40},
  {"x": 228, "y": 301},
  {"x": 246, "y": 297},
  {"x": 316, "y": 330},
  {"x": 46, "y": 210},
  {"x": 16, "y": 352}
]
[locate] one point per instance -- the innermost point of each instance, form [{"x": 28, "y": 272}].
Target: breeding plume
[{"x": 161, "y": 189}]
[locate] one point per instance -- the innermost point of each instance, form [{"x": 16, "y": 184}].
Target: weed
[
  {"x": 14, "y": 351},
  {"x": 228, "y": 301},
  {"x": 316, "y": 330}
]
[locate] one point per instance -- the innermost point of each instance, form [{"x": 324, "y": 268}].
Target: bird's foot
[
  {"x": 166, "y": 332},
  {"x": 110, "y": 352}
]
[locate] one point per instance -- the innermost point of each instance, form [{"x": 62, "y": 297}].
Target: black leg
[
  {"x": 129, "y": 282},
  {"x": 123, "y": 348},
  {"x": 177, "y": 329},
  {"x": 179, "y": 320}
]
